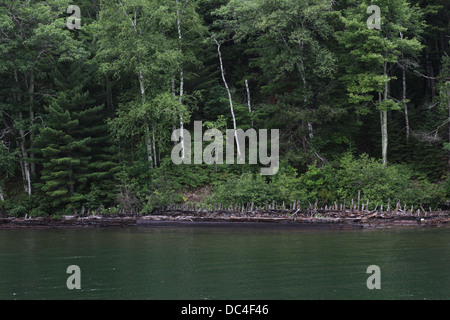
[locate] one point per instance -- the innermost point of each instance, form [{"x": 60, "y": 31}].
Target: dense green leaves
[
  {"x": 87, "y": 115},
  {"x": 340, "y": 183}
]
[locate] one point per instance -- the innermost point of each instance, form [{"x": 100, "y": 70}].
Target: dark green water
[{"x": 225, "y": 263}]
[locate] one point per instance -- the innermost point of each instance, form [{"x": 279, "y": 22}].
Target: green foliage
[
  {"x": 162, "y": 191},
  {"x": 58, "y": 150},
  {"x": 319, "y": 184},
  {"x": 378, "y": 183},
  {"x": 242, "y": 189},
  {"x": 86, "y": 116},
  {"x": 23, "y": 204},
  {"x": 339, "y": 182},
  {"x": 8, "y": 160},
  {"x": 252, "y": 187}
]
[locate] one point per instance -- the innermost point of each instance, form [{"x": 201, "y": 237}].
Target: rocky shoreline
[{"x": 338, "y": 219}]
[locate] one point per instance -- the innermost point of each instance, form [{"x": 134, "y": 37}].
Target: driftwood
[
  {"x": 316, "y": 217},
  {"x": 68, "y": 221},
  {"x": 357, "y": 214},
  {"x": 294, "y": 214}
]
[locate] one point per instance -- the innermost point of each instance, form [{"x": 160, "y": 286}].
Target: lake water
[{"x": 225, "y": 263}]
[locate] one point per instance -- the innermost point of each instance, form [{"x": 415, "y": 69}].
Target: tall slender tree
[
  {"x": 289, "y": 42},
  {"x": 371, "y": 54}
]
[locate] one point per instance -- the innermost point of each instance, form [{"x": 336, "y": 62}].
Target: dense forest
[{"x": 90, "y": 95}]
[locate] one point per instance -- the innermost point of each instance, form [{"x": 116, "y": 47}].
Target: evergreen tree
[
  {"x": 60, "y": 155},
  {"x": 33, "y": 36},
  {"x": 86, "y": 115},
  {"x": 95, "y": 177},
  {"x": 76, "y": 139}
]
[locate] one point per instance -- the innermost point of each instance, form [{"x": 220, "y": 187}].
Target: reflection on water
[{"x": 225, "y": 263}]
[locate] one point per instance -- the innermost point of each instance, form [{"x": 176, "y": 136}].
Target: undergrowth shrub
[{"x": 334, "y": 182}]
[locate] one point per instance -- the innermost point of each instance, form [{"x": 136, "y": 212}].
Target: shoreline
[{"x": 335, "y": 220}]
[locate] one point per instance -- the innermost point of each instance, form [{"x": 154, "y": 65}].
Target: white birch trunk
[
  {"x": 149, "y": 146},
  {"x": 23, "y": 155},
  {"x": 31, "y": 100},
  {"x": 383, "y": 119},
  {"x": 248, "y": 102},
  {"x": 384, "y": 135},
  {"x": 448, "y": 127},
  {"x": 384, "y": 132},
  {"x": 405, "y": 105},
  {"x": 154, "y": 149},
  {"x": 310, "y": 129},
  {"x": 149, "y": 143},
  {"x": 21, "y": 143},
  {"x": 181, "y": 85},
  {"x": 305, "y": 97},
  {"x": 150, "y": 154},
  {"x": 1, "y": 194},
  {"x": 229, "y": 96},
  {"x": 141, "y": 86},
  {"x": 305, "y": 100},
  {"x": 22, "y": 166}
]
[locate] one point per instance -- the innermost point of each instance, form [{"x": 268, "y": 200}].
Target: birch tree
[
  {"x": 230, "y": 98},
  {"x": 189, "y": 32},
  {"x": 373, "y": 53},
  {"x": 180, "y": 11},
  {"x": 287, "y": 41},
  {"x": 248, "y": 102},
  {"x": 132, "y": 39}
]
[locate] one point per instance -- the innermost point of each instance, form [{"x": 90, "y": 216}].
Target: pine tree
[
  {"x": 60, "y": 155},
  {"x": 95, "y": 175},
  {"x": 76, "y": 155}
]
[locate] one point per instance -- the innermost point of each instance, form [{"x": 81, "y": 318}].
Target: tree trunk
[
  {"x": 248, "y": 102},
  {"x": 154, "y": 149},
  {"x": 181, "y": 116},
  {"x": 21, "y": 141},
  {"x": 229, "y": 96},
  {"x": 384, "y": 135},
  {"x": 22, "y": 166},
  {"x": 448, "y": 107},
  {"x": 149, "y": 144},
  {"x": 31, "y": 99},
  {"x": 305, "y": 96},
  {"x": 141, "y": 86},
  {"x": 383, "y": 118},
  {"x": 431, "y": 85},
  {"x": 310, "y": 129},
  {"x": 405, "y": 105},
  {"x": 23, "y": 157},
  {"x": 181, "y": 85}
]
